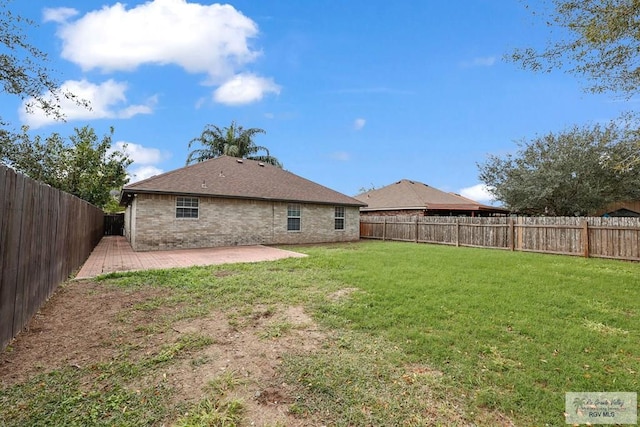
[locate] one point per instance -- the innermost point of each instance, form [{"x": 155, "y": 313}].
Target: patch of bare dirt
[
  {"x": 78, "y": 326},
  {"x": 85, "y": 323},
  {"x": 250, "y": 355}
]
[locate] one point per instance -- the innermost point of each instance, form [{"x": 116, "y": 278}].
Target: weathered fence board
[
  {"x": 13, "y": 203},
  {"x": 45, "y": 235},
  {"x": 617, "y": 238}
]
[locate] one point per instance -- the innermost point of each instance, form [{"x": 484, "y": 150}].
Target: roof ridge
[
  {"x": 227, "y": 176},
  {"x": 411, "y": 194},
  {"x": 414, "y": 190}
]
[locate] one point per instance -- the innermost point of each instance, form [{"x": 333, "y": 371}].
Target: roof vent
[
  {"x": 221, "y": 175},
  {"x": 204, "y": 184},
  {"x": 239, "y": 160},
  {"x": 261, "y": 164}
]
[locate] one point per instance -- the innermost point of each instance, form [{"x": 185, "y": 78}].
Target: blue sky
[{"x": 352, "y": 94}]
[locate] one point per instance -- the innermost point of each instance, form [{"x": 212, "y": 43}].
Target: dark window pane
[{"x": 293, "y": 224}]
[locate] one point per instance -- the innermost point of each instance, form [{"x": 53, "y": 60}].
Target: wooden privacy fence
[
  {"x": 617, "y": 238},
  {"x": 45, "y": 234}
]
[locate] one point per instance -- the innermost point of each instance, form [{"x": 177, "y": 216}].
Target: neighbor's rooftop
[{"x": 413, "y": 195}]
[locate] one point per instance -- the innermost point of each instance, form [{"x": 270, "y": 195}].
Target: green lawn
[
  {"x": 514, "y": 331},
  {"x": 428, "y": 335}
]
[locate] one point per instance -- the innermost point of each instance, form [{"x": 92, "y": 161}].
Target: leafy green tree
[
  {"x": 575, "y": 172},
  {"x": 113, "y": 206},
  {"x": 23, "y": 70},
  {"x": 600, "y": 41},
  {"x": 83, "y": 166},
  {"x": 232, "y": 141}
]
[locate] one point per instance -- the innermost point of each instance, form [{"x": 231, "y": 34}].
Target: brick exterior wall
[{"x": 151, "y": 223}]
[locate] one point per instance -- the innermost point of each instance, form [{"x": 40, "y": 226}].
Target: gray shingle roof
[
  {"x": 406, "y": 194},
  {"x": 238, "y": 178}
]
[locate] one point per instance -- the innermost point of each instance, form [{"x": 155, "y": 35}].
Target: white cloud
[
  {"x": 341, "y": 156},
  {"x": 212, "y": 39},
  {"x": 244, "y": 89},
  {"x": 144, "y": 159},
  {"x": 107, "y": 100},
  {"x": 143, "y": 172},
  {"x": 140, "y": 154},
  {"x": 479, "y": 193},
  {"x": 486, "y": 61},
  {"x": 134, "y": 110},
  {"x": 359, "y": 124},
  {"x": 200, "y": 102},
  {"x": 59, "y": 15}
]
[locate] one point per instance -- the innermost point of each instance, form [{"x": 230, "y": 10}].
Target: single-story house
[
  {"x": 407, "y": 197},
  {"x": 621, "y": 209},
  {"x": 229, "y": 201}
]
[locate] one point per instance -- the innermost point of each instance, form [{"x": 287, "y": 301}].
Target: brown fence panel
[
  {"x": 617, "y": 238},
  {"x": 11, "y": 203},
  {"x": 555, "y": 235},
  {"x": 484, "y": 235},
  {"x": 45, "y": 235},
  {"x": 401, "y": 227}
]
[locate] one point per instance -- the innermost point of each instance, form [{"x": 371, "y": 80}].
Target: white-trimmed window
[
  {"x": 187, "y": 207},
  {"x": 339, "y": 218},
  {"x": 293, "y": 217}
]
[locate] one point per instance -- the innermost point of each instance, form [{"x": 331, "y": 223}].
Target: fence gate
[{"x": 114, "y": 224}]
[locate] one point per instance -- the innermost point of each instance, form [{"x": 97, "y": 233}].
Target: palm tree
[{"x": 234, "y": 141}]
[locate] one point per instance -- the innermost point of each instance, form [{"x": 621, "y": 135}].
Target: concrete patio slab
[{"x": 114, "y": 254}]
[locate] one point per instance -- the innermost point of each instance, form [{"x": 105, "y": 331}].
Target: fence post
[
  {"x": 457, "y": 232},
  {"x": 416, "y": 228},
  {"x": 585, "y": 238},
  {"x": 520, "y": 227},
  {"x": 512, "y": 236},
  {"x": 384, "y": 229}
]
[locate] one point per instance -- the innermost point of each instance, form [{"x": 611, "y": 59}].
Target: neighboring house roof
[
  {"x": 413, "y": 195},
  {"x": 629, "y": 208},
  {"x": 231, "y": 177}
]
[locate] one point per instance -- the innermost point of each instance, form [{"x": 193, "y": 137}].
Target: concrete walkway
[{"x": 114, "y": 253}]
